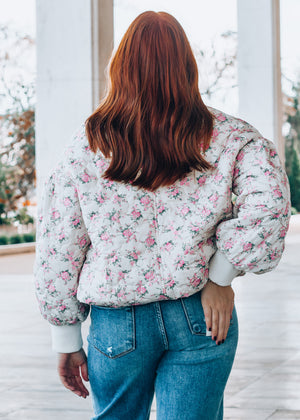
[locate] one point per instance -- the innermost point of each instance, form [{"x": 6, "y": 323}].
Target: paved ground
[{"x": 264, "y": 383}]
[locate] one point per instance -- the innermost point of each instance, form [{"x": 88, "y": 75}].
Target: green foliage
[
  {"x": 293, "y": 211},
  {"x": 17, "y": 157},
  {"x": 16, "y": 239},
  {"x": 23, "y": 217},
  {"x": 294, "y": 178},
  {"x": 292, "y": 147},
  {"x": 3, "y": 240},
  {"x": 4, "y": 220},
  {"x": 17, "y": 124},
  {"x": 29, "y": 237}
]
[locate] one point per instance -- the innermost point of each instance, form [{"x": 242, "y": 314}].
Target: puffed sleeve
[
  {"x": 253, "y": 240},
  {"x": 61, "y": 245}
]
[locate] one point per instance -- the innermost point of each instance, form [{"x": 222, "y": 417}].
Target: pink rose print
[
  {"x": 127, "y": 233},
  {"x": 206, "y": 212},
  {"x": 180, "y": 264},
  {"x": 215, "y": 132},
  {"x": 88, "y": 301},
  {"x": 202, "y": 180},
  {"x": 236, "y": 172},
  {"x": 184, "y": 181},
  {"x": 150, "y": 241},
  {"x": 149, "y": 275},
  {"x": 82, "y": 241},
  {"x": 115, "y": 217},
  {"x": 145, "y": 200},
  {"x": 104, "y": 236},
  {"x": 218, "y": 177},
  {"x": 283, "y": 231},
  {"x": 55, "y": 214},
  {"x": 121, "y": 275},
  {"x": 175, "y": 192},
  {"x": 277, "y": 193},
  {"x": 214, "y": 197},
  {"x": 247, "y": 246},
  {"x": 61, "y": 236},
  {"x": 141, "y": 289},
  {"x": 195, "y": 280},
  {"x": 51, "y": 288},
  {"x": 65, "y": 275},
  {"x": 135, "y": 214},
  {"x": 134, "y": 255},
  {"x": 75, "y": 222},
  {"x": 240, "y": 156},
  {"x": 85, "y": 177},
  {"x": 67, "y": 202},
  {"x": 171, "y": 283},
  {"x": 109, "y": 184},
  {"x": 184, "y": 211},
  {"x": 196, "y": 221},
  {"x": 228, "y": 245},
  {"x": 273, "y": 255},
  {"x": 100, "y": 198},
  {"x": 168, "y": 246},
  {"x": 100, "y": 163}
]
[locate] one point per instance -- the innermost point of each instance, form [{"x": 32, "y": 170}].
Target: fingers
[
  {"x": 75, "y": 384},
  {"x": 82, "y": 389},
  {"x": 84, "y": 371},
  {"x": 208, "y": 318},
  {"x": 227, "y": 324},
  {"x": 221, "y": 328},
  {"x": 69, "y": 382},
  {"x": 215, "y": 325},
  {"x": 220, "y": 325}
]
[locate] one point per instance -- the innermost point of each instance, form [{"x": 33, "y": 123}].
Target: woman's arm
[
  {"x": 253, "y": 240},
  {"x": 62, "y": 242}
]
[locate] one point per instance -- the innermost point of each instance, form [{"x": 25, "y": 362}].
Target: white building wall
[
  {"x": 67, "y": 88},
  {"x": 259, "y": 72}
]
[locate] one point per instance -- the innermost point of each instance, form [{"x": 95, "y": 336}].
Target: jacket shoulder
[{"x": 230, "y": 132}]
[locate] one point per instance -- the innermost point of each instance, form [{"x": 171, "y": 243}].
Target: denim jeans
[{"x": 159, "y": 347}]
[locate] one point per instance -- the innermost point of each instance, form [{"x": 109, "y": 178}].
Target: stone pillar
[
  {"x": 74, "y": 43},
  {"x": 259, "y": 72}
]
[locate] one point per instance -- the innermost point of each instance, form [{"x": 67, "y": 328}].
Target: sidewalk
[{"x": 264, "y": 383}]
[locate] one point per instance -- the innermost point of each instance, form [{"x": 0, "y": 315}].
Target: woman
[{"x": 137, "y": 223}]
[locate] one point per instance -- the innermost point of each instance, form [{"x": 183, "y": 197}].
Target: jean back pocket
[
  {"x": 194, "y": 313},
  {"x": 112, "y": 330}
]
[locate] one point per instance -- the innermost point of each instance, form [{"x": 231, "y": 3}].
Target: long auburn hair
[{"x": 152, "y": 123}]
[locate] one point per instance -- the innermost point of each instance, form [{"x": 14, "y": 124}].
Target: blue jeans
[{"x": 160, "y": 347}]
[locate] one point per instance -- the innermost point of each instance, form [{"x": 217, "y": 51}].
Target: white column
[
  {"x": 74, "y": 42},
  {"x": 259, "y": 73}
]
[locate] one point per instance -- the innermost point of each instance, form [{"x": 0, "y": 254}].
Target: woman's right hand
[{"x": 218, "y": 304}]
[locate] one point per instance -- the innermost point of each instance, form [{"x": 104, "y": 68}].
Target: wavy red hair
[{"x": 152, "y": 124}]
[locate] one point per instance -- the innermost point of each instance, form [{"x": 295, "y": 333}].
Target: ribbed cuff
[
  {"x": 66, "y": 338},
  {"x": 221, "y": 271}
]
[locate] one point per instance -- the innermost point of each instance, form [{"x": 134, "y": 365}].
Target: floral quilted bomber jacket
[{"x": 106, "y": 243}]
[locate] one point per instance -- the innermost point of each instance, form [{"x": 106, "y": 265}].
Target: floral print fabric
[{"x": 111, "y": 244}]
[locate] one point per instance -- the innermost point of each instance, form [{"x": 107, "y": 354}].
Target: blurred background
[
  {"x": 42, "y": 103},
  {"x": 53, "y": 59}
]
